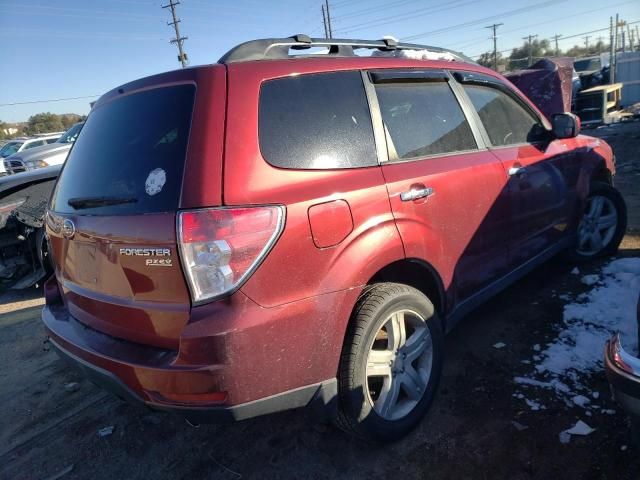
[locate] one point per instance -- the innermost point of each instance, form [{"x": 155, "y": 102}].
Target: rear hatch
[{"x": 112, "y": 219}]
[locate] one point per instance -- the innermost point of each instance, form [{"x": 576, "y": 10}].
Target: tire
[
  {"x": 43, "y": 253},
  {"x": 364, "y": 410},
  {"x": 612, "y": 204}
]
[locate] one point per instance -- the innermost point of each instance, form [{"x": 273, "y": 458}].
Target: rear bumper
[
  {"x": 236, "y": 359},
  {"x": 320, "y": 397},
  {"x": 625, "y": 385}
]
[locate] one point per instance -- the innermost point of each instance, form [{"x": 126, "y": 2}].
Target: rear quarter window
[
  {"x": 316, "y": 121},
  {"x": 131, "y": 151}
]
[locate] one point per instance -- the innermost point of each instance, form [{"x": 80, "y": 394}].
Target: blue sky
[{"x": 72, "y": 48}]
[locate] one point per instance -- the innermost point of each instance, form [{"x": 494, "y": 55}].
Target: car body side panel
[
  {"x": 461, "y": 229},
  {"x": 296, "y": 268}
]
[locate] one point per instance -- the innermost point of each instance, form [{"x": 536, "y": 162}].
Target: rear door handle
[
  {"x": 416, "y": 193},
  {"x": 518, "y": 171}
]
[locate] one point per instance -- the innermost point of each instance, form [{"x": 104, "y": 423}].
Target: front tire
[
  {"x": 603, "y": 224},
  {"x": 391, "y": 363}
]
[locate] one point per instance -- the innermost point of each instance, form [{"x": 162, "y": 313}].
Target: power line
[
  {"x": 561, "y": 39},
  {"x": 474, "y": 41},
  {"x": 508, "y": 13},
  {"x": 47, "y": 101},
  {"x": 182, "y": 56},
  {"x": 420, "y": 12}
]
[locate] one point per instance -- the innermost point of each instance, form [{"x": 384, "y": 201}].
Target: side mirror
[{"x": 565, "y": 125}]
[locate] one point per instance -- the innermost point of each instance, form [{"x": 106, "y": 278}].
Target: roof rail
[{"x": 278, "y": 48}]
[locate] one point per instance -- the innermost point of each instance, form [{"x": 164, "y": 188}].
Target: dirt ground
[{"x": 49, "y": 432}]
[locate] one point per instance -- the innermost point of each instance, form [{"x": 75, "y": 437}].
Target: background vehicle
[
  {"x": 593, "y": 71},
  {"x": 25, "y": 143},
  {"x": 623, "y": 372},
  {"x": 54, "y": 153},
  {"x": 286, "y": 240},
  {"x": 23, "y": 201}
]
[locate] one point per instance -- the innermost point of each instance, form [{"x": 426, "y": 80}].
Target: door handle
[
  {"x": 416, "y": 193},
  {"x": 517, "y": 170}
]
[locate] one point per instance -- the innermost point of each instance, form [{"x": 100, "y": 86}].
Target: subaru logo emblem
[{"x": 68, "y": 228}]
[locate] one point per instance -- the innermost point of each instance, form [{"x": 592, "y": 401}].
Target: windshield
[
  {"x": 9, "y": 149},
  {"x": 587, "y": 65},
  {"x": 71, "y": 134}
]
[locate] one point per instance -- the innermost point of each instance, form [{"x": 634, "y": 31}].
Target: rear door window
[
  {"x": 316, "y": 121},
  {"x": 423, "y": 119},
  {"x": 129, "y": 158}
]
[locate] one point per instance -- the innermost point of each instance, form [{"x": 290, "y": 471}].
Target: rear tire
[
  {"x": 602, "y": 226},
  {"x": 391, "y": 363}
]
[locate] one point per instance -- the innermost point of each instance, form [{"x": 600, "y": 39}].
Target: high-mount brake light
[{"x": 221, "y": 247}]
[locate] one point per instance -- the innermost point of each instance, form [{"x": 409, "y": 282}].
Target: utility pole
[
  {"x": 586, "y": 43},
  {"x": 326, "y": 3},
  {"x": 182, "y": 56},
  {"x": 494, "y": 27},
  {"x": 555, "y": 38},
  {"x": 612, "y": 47},
  {"x": 324, "y": 23},
  {"x": 530, "y": 38}
]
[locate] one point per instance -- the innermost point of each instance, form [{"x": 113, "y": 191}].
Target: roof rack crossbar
[{"x": 278, "y": 48}]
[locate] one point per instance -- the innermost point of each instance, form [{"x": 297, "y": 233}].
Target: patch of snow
[
  {"x": 499, "y": 345},
  {"x": 564, "y": 297},
  {"x": 575, "y": 271},
  {"x": 588, "y": 322},
  {"x": 580, "y": 428},
  {"x": 590, "y": 279},
  {"x": 581, "y": 400},
  {"x": 534, "y": 405},
  {"x": 417, "y": 55}
]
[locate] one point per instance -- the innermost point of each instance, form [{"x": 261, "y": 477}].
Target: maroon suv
[{"x": 281, "y": 230}]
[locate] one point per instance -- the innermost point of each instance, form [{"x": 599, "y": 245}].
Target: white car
[
  {"x": 24, "y": 143},
  {"x": 44, "y": 155}
]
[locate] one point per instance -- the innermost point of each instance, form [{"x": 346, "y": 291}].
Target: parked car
[
  {"x": 54, "y": 153},
  {"x": 301, "y": 232},
  {"x": 25, "y": 143},
  {"x": 623, "y": 372},
  {"x": 593, "y": 71},
  {"x": 24, "y": 254}
]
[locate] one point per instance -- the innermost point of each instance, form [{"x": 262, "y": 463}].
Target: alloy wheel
[
  {"x": 598, "y": 225},
  {"x": 399, "y": 364}
]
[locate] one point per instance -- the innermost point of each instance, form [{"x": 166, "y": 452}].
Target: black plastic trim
[
  {"x": 321, "y": 398},
  {"x": 407, "y": 76},
  {"x": 278, "y": 48}
]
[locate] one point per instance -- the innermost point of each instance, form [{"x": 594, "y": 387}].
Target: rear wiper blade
[{"x": 91, "y": 202}]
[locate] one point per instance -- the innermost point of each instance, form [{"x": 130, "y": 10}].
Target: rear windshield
[{"x": 129, "y": 158}]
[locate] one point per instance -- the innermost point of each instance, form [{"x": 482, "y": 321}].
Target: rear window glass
[
  {"x": 129, "y": 158},
  {"x": 318, "y": 121}
]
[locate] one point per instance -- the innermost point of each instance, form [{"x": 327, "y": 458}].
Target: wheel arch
[{"x": 418, "y": 274}]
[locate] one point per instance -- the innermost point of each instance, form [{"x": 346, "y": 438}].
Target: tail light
[{"x": 221, "y": 247}]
